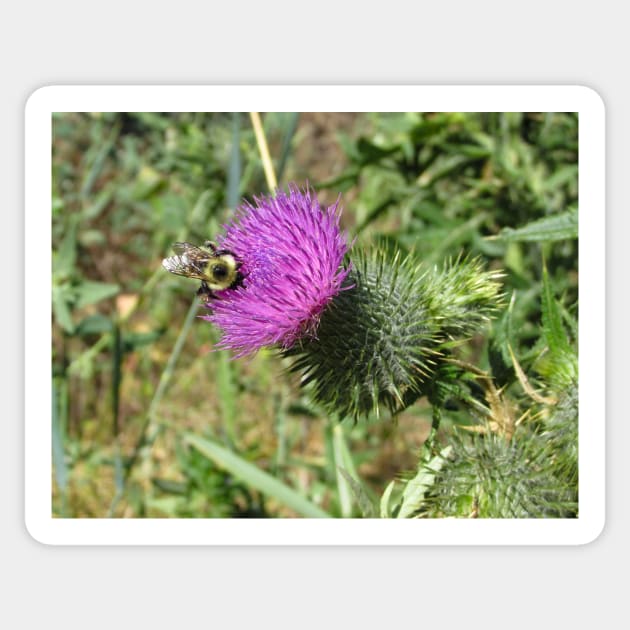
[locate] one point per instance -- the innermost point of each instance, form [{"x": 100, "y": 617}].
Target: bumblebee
[{"x": 218, "y": 269}]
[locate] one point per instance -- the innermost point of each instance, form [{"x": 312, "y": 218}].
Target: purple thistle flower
[{"x": 291, "y": 252}]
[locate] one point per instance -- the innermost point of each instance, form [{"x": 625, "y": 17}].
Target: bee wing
[
  {"x": 181, "y": 267},
  {"x": 184, "y": 248},
  {"x": 190, "y": 261}
]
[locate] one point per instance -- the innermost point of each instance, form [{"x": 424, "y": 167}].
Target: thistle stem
[{"x": 429, "y": 443}]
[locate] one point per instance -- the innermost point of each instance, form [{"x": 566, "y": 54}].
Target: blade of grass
[
  {"x": 263, "y": 150},
  {"x": 235, "y": 168},
  {"x": 98, "y": 162},
  {"x": 348, "y": 480},
  {"x": 117, "y": 357},
  {"x": 359, "y": 494},
  {"x": 344, "y": 491},
  {"x": 386, "y": 511},
  {"x": 58, "y": 438},
  {"x": 255, "y": 477},
  {"x": 289, "y": 131}
]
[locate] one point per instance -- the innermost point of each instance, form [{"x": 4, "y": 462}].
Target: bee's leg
[
  {"x": 210, "y": 245},
  {"x": 205, "y": 292},
  {"x": 239, "y": 280}
]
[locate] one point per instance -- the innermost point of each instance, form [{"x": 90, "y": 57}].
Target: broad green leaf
[
  {"x": 94, "y": 325},
  {"x": 65, "y": 258},
  {"x": 554, "y": 228},
  {"x": 61, "y": 295},
  {"x": 252, "y": 475},
  {"x": 92, "y": 292}
]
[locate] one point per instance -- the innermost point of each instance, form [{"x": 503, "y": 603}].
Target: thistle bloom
[
  {"x": 291, "y": 252},
  {"x": 372, "y": 335}
]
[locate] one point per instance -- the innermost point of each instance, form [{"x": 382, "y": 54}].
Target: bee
[{"x": 218, "y": 269}]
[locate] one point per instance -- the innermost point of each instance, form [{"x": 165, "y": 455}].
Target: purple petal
[{"x": 291, "y": 253}]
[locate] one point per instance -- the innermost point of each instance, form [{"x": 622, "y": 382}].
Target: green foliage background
[{"x": 148, "y": 421}]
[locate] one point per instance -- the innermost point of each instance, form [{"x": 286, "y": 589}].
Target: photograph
[{"x": 298, "y": 315}]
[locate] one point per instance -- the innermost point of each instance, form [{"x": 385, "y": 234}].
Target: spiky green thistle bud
[{"x": 380, "y": 341}]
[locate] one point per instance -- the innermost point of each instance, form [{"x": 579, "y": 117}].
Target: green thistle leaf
[
  {"x": 553, "y": 228},
  {"x": 560, "y": 364}
]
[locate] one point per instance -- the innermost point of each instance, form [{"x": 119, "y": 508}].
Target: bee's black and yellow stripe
[
  {"x": 221, "y": 272},
  {"x": 217, "y": 269}
]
